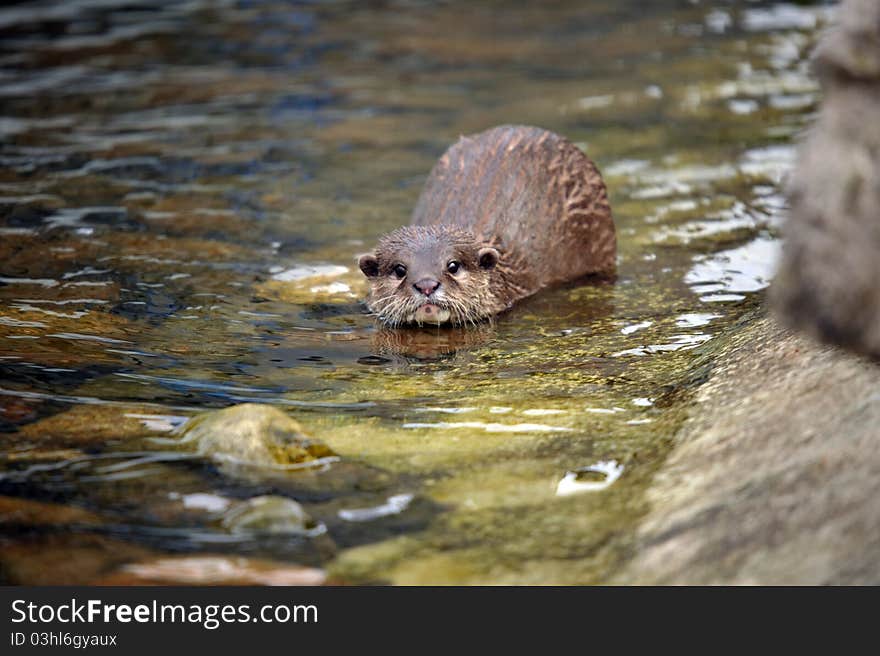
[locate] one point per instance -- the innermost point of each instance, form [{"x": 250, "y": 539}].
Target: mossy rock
[{"x": 253, "y": 434}]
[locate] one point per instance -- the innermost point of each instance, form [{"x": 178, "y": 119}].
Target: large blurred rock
[
  {"x": 829, "y": 279},
  {"x": 775, "y": 476}
]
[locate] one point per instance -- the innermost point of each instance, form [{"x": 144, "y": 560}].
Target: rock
[
  {"x": 253, "y": 434},
  {"x": 314, "y": 283},
  {"x": 15, "y": 412},
  {"x": 76, "y": 337},
  {"x": 88, "y": 424},
  {"x": 187, "y": 215},
  {"x": 208, "y": 569},
  {"x": 63, "y": 558},
  {"x": 775, "y": 476},
  {"x": 827, "y": 284},
  {"x": 270, "y": 515},
  {"x": 179, "y": 248},
  {"x": 36, "y": 454},
  {"x": 25, "y": 512}
]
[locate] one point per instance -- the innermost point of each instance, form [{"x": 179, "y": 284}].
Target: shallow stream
[{"x": 185, "y": 187}]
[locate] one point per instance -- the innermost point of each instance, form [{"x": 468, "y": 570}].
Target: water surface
[{"x": 185, "y": 188}]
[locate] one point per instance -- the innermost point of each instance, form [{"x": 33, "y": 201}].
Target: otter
[{"x": 503, "y": 214}]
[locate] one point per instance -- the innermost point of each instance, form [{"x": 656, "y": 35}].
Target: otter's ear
[
  {"x": 488, "y": 257},
  {"x": 369, "y": 265}
]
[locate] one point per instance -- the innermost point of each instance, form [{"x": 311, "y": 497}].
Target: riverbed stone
[
  {"x": 268, "y": 514},
  {"x": 63, "y": 558},
  {"x": 253, "y": 434},
  {"x": 90, "y": 424},
  {"x": 15, "y": 511},
  {"x": 213, "y": 569},
  {"x": 77, "y": 337},
  {"x": 774, "y": 477},
  {"x": 314, "y": 283}
]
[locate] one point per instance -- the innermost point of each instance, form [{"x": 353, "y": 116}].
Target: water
[{"x": 185, "y": 188}]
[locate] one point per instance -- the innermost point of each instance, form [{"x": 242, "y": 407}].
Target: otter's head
[{"x": 431, "y": 275}]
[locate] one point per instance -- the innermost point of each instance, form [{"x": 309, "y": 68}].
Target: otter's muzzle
[{"x": 427, "y": 286}]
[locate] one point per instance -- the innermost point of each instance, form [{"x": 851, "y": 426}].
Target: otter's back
[{"x": 533, "y": 194}]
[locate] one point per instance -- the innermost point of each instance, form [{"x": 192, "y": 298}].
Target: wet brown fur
[{"x": 528, "y": 196}]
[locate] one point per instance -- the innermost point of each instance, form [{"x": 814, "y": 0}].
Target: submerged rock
[
  {"x": 263, "y": 445},
  {"x": 63, "y": 558},
  {"x": 208, "y": 569},
  {"x": 314, "y": 283},
  {"x": 254, "y": 434},
  {"x": 26, "y": 512},
  {"x": 828, "y": 284},
  {"x": 269, "y": 514},
  {"x": 92, "y": 424}
]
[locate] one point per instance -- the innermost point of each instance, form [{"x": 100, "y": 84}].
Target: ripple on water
[
  {"x": 393, "y": 506},
  {"x": 675, "y": 343},
  {"x": 592, "y": 478},
  {"x": 738, "y": 218},
  {"x": 491, "y": 427},
  {"x": 695, "y": 319},
  {"x": 202, "y": 501},
  {"x": 785, "y": 16},
  {"x": 729, "y": 274},
  {"x": 635, "y": 327}
]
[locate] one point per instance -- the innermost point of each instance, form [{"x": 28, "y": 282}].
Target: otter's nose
[{"x": 426, "y": 286}]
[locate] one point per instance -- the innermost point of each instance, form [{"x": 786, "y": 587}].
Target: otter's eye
[
  {"x": 453, "y": 267},
  {"x": 400, "y": 271}
]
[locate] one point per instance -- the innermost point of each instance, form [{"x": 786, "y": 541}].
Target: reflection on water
[{"x": 184, "y": 190}]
